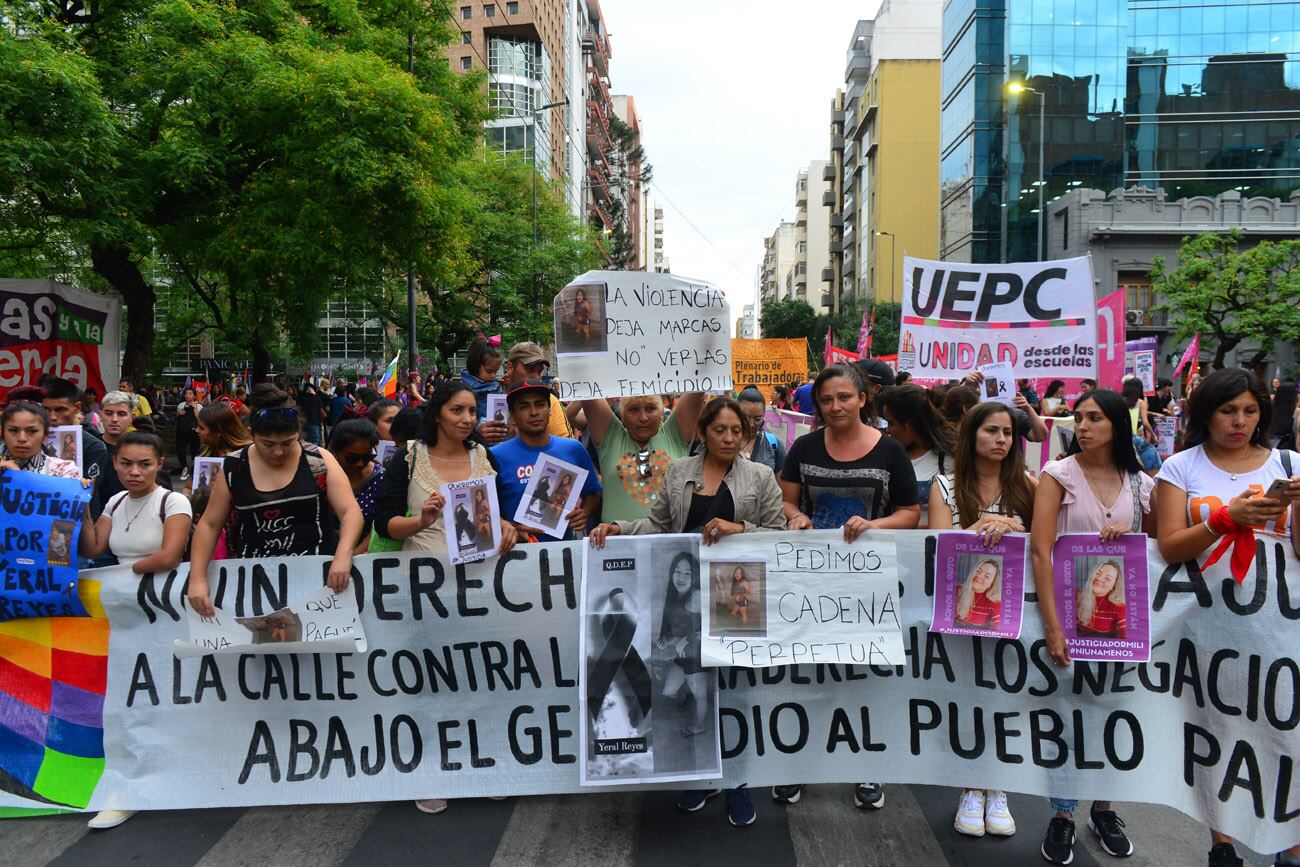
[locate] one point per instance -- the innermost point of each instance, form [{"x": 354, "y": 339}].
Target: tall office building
[
  {"x": 1197, "y": 100},
  {"x": 891, "y": 180}
]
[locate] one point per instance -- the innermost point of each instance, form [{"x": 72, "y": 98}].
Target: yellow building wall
[{"x": 903, "y": 180}]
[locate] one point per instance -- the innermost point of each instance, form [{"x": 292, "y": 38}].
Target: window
[
  {"x": 467, "y": 12},
  {"x": 512, "y": 8},
  {"x": 466, "y": 62},
  {"x": 490, "y": 10},
  {"x": 466, "y": 38}
]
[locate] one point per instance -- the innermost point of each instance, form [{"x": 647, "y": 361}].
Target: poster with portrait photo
[
  {"x": 1102, "y": 597},
  {"x": 205, "y": 471},
  {"x": 385, "y": 450},
  {"x": 59, "y": 551},
  {"x": 579, "y": 314},
  {"x": 552, "y": 492},
  {"x": 649, "y": 708},
  {"x": 499, "y": 410},
  {"x": 323, "y": 622},
  {"x": 999, "y": 383},
  {"x": 64, "y": 442},
  {"x": 737, "y": 598},
  {"x": 471, "y": 519},
  {"x": 979, "y": 589}
]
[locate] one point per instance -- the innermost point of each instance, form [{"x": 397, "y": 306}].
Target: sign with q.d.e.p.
[{"x": 1040, "y": 317}]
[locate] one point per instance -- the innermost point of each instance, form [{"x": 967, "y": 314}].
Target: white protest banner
[
  {"x": 46, "y": 327},
  {"x": 471, "y": 519},
  {"x": 628, "y": 333},
  {"x": 649, "y": 708},
  {"x": 469, "y": 688},
  {"x": 802, "y": 597},
  {"x": 999, "y": 383},
  {"x": 1040, "y": 317},
  {"x": 324, "y": 622}
]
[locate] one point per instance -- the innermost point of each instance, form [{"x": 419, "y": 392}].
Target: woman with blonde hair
[
  {"x": 979, "y": 599},
  {"x": 1099, "y": 607}
]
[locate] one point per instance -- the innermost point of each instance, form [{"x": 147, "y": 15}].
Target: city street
[{"x": 914, "y": 828}]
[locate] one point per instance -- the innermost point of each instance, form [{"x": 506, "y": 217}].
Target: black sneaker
[
  {"x": 868, "y": 796},
  {"x": 787, "y": 794},
  {"x": 1109, "y": 829},
  {"x": 1058, "y": 844},
  {"x": 1224, "y": 855}
]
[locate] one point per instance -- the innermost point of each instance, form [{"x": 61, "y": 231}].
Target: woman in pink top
[
  {"x": 1099, "y": 487},
  {"x": 25, "y": 427}
]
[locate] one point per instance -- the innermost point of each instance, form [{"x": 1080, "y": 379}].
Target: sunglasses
[
  {"x": 280, "y": 413},
  {"x": 359, "y": 459},
  {"x": 643, "y": 466}
]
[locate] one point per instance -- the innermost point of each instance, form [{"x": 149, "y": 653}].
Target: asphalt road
[{"x": 643, "y": 829}]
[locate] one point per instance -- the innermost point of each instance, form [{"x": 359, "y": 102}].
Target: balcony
[
  {"x": 837, "y": 246},
  {"x": 827, "y": 275},
  {"x": 828, "y": 173},
  {"x": 837, "y": 142},
  {"x": 801, "y": 197},
  {"x": 837, "y": 221},
  {"x": 858, "y": 66},
  {"x": 1146, "y": 318},
  {"x": 837, "y": 116},
  {"x": 801, "y": 219},
  {"x": 828, "y": 300},
  {"x": 828, "y": 198}
]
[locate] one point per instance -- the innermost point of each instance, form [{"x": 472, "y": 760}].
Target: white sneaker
[
  {"x": 970, "y": 814},
  {"x": 106, "y": 819},
  {"x": 432, "y": 806},
  {"x": 997, "y": 817}
]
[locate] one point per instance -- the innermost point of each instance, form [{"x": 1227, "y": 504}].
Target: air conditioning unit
[{"x": 1133, "y": 317}]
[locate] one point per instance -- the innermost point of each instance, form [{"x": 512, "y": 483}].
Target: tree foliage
[
  {"x": 629, "y": 172},
  {"x": 792, "y": 318},
  {"x": 1230, "y": 294},
  {"x": 247, "y": 162}
]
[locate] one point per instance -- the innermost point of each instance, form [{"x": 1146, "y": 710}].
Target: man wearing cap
[
  {"x": 526, "y": 361},
  {"x": 529, "y": 401}
]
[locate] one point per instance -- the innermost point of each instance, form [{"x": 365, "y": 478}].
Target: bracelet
[{"x": 1221, "y": 522}]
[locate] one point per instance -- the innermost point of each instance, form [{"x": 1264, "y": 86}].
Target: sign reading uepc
[
  {"x": 1038, "y": 316},
  {"x": 470, "y": 686}
]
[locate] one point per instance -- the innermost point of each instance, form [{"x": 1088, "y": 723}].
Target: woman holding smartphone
[{"x": 1227, "y": 485}]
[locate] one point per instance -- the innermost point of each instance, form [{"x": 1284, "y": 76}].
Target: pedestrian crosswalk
[{"x": 619, "y": 829}]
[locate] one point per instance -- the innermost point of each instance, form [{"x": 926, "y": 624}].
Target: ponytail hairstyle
[
  {"x": 910, "y": 405},
  {"x": 851, "y": 373}
]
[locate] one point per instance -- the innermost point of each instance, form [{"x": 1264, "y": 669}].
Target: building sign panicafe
[{"x": 1038, "y": 316}]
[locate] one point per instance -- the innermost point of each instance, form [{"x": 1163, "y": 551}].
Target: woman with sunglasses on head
[
  {"x": 847, "y": 474},
  {"x": 715, "y": 493},
  {"x": 410, "y": 504},
  {"x": 1215, "y": 487},
  {"x": 760, "y": 446},
  {"x": 285, "y": 498},
  {"x": 1098, "y": 487},
  {"x": 987, "y": 492},
  {"x": 353, "y": 443}
]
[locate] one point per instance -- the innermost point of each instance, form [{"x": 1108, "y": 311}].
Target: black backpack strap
[
  {"x": 162, "y": 508},
  {"x": 1286, "y": 462}
]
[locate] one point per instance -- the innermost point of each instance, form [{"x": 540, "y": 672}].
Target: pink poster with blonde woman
[
  {"x": 979, "y": 589},
  {"x": 1102, "y": 597}
]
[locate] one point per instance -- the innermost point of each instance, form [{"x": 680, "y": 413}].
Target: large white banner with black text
[{"x": 470, "y": 687}]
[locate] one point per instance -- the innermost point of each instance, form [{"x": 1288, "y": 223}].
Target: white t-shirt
[
  {"x": 926, "y": 468},
  {"x": 1209, "y": 488},
  {"x": 146, "y": 534}
]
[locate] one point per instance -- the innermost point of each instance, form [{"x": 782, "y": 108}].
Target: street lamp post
[
  {"x": 880, "y": 233},
  {"x": 536, "y": 116},
  {"x": 1019, "y": 88},
  {"x": 410, "y": 270}
]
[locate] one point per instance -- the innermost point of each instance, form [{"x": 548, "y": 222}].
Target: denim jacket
[{"x": 753, "y": 489}]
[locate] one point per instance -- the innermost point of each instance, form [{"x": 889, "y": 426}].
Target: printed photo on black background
[
  {"x": 579, "y": 316},
  {"x": 738, "y": 593}
]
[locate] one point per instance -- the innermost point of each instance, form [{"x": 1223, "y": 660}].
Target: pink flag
[
  {"x": 826, "y": 352},
  {"x": 1190, "y": 356},
  {"x": 864, "y": 333}
]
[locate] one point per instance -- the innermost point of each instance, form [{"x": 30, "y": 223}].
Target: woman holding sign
[
  {"x": 26, "y": 425},
  {"x": 410, "y": 504},
  {"x": 1226, "y": 486},
  {"x": 715, "y": 493},
  {"x": 990, "y": 493},
  {"x": 846, "y": 474},
  {"x": 1099, "y": 487}
]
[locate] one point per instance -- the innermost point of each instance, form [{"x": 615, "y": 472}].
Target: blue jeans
[
  {"x": 1066, "y": 805},
  {"x": 313, "y": 434}
]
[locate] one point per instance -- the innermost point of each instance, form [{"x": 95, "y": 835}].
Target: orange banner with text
[{"x": 768, "y": 363}]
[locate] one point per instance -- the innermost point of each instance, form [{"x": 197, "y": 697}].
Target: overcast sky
[{"x": 734, "y": 98}]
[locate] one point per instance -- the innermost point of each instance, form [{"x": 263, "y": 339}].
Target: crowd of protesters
[{"x": 883, "y": 453}]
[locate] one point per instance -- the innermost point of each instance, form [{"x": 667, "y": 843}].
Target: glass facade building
[{"x": 1197, "y": 99}]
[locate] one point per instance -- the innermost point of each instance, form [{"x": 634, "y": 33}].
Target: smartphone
[{"x": 1277, "y": 490}]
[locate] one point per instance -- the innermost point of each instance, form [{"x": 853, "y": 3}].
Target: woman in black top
[
  {"x": 288, "y": 499},
  {"x": 847, "y": 474},
  {"x": 187, "y": 437}
]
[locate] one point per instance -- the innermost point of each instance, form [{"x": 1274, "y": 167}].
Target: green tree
[
  {"x": 1230, "y": 294},
  {"x": 629, "y": 171},
  {"x": 790, "y": 318},
  {"x": 261, "y": 156}
]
